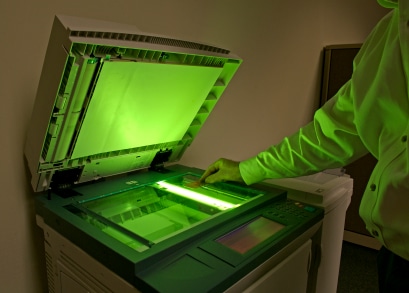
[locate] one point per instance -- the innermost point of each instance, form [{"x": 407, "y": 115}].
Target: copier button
[
  {"x": 373, "y": 187},
  {"x": 309, "y": 209}
]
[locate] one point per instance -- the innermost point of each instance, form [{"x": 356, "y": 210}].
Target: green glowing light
[{"x": 219, "y": 204}]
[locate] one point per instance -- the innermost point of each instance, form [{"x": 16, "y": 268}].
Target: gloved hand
[{"x": 222, "y": 170}]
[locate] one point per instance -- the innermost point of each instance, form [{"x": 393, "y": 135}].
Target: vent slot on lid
[{"x": 148, "y": 39}]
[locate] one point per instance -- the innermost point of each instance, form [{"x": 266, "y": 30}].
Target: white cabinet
[
  {"x": 290, "y": 276},
  {"x": 70, "y": 269}
]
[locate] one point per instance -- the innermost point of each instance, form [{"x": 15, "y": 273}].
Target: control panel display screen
[{"x": 250, "y": 234}]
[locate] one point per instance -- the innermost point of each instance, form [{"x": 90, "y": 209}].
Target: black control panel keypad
[{"x": 291, "y": 209}]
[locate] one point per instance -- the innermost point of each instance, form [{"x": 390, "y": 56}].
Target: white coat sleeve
[{"x": 329, "y": 141}]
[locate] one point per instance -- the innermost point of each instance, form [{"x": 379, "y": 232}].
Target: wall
[{"x": 274, "y": 92}]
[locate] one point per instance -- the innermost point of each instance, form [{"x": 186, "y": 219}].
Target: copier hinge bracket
[
  {"x": 158, "y": 162},
  {"x": 62, "y": 182}
]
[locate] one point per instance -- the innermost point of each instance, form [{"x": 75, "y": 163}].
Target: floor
[{"x": 358, "y": 272}]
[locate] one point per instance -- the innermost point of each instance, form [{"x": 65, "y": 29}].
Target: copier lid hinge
[
  {"x": 63, "y": 180},
  {"x": 158, "y": 162}
]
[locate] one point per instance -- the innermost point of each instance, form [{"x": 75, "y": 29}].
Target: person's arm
[{"x": 329, "y": 141}]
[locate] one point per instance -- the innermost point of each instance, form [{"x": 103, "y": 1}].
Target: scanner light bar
[{"x": 217, "y": 203}]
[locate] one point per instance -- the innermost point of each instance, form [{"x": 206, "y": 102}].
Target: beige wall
[{"x": 274, "y": 92}]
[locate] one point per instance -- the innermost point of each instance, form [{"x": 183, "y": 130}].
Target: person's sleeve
[{"x": 329, "y": 141}]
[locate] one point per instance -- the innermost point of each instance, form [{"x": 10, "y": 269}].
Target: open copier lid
[{"x": 112, "y": 99}]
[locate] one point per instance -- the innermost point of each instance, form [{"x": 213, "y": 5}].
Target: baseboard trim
[{"x": 362, "y": 240}]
